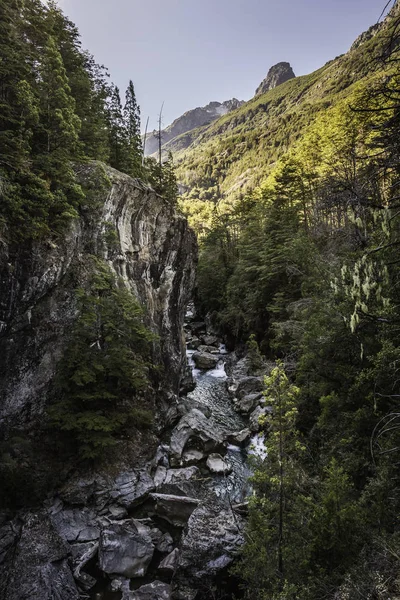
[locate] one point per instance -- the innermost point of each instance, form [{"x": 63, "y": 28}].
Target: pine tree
[
  {"x": 117, "y": 132},
  {"x": 279, "y": 509},
  {"x": 134, "y": 139}
]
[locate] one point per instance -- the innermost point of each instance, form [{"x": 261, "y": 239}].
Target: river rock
[
  {"x": 211, "y": 541},
  {"x": 187, "y": 383},
  {"x": 194, "y": 343},
  {"x": 249, "y": 385},
  {"x": 239, "y": 438},
  {"x": 210, "y": 340},
  {"x": 157, "y": 590},
  {"x": 180, "y": 475},
  {"x": 254, "y": 423},
  {"x": 218, "y": 465},
  {"x": 187, "y": 404},
  {"x": 192, "y": 457},
  {"x": 125, "y": 550},
  {"x": 174, "y": 509},
  {"x": 169, "y": 563},
  {"x": 205, "y": 360},
  {"x": 194, "y": 425},
  {"x": 198, "y": 327},
  {"x": 82, "y": 554},
  {"x": 248, "y": 403},
  {"x": 208, "y": 349}
]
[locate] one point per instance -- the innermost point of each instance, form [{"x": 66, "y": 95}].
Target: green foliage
[{"x": 104, "y": 374}]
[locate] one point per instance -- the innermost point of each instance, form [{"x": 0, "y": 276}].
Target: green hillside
[{"x": 235, "y": 154}]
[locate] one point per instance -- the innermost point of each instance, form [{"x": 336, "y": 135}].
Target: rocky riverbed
[{"x": 168, "y": 530}]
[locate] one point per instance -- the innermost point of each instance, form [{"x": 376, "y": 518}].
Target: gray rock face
[
  {"x": 239, "y": 438},
  {"x": 196, "y": 426},
  {"x": 277, "y": 75},
  {"x": 125, "y": 549},
  {"x": 205, "y": 360},
  {"x": 254, "y": 423},
  {"x": 36, "y": 564},
  {"x": 192, "y": 119},
  {"x": 212, "y": 539},
  {"x": 153, "y": 255}
]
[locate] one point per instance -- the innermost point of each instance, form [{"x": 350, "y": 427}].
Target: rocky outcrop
[
  {"x": 190, "y": 120},
  {"x": 277, "y": 75},
  {"x": 146, "y": 244},
  {"x": 87, "y": 521}
]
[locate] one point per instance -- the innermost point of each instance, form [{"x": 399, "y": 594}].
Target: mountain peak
[{"x": 277, "y": 75}]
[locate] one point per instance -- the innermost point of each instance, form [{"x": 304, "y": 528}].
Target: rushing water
[{"x": 211, "y": 392}]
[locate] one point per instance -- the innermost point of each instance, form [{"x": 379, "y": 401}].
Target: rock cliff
[{"x": 277, "y": 75}]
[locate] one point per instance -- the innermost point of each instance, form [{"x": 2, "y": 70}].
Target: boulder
[
  {"x": 218, "y": 465},
  {"x": 208, "y": 349},
  {"x": 196, "y": 426},
  {"x": 248, "y": 403},
  {"x": 169, "y": 563},
  {"x": 131, "y": 488},
  {"x": 165, "y": 543},
  {"x": 180, "y": 475},
  {"x": 205, "y": 360},
  {"x": 174, "y": 509},
  {"x": 192, "y": 457},
  {"x": 194, "y": 343},
  {"x": 157, "y": 590},
  {"x": 126, "y": 549},
  {"x": 239, "y": 438},
  {"x": 249, "y": 385},
  {"x": 198, "y": 327},
  {"x": 187, "y": 404},
  {"x": 211, "y": 540},
  {"x": 187, "y": 383},
  {"x": 76, "y": 524},
  {"x": 210, "y": 340}
]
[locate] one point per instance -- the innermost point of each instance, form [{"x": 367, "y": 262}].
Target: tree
[
  {"x": 104, "y": 374},
  {"x": 133, "y": 136},
  {"x": 117, "y": 132},
  {"x": 280, "y": 508}
]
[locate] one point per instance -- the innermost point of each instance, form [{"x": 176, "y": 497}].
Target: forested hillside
[
  {"x": 58, "y": 108},
  {"x": 295, "y": 198}
]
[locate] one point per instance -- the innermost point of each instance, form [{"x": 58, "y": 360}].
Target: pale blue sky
[{"x": 190, "y": 52}]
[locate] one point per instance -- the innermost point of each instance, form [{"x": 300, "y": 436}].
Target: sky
[{"x": 187, "y": 53}]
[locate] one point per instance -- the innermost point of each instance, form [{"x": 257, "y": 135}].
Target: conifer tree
[
  {"x": 117, "y": 132},
  {"x": 132, "y": 126}
]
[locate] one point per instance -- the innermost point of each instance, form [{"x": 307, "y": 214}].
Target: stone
[
  {"x": 208, "y": 350},
  {"x": 36, "y": 565},
  {"x": 157, "y": 590},
  {"x": 205, "y": 360},
  {"x": 159, "y": 476},
  {"x": 218, "y": 465},
  {"x": 239, "y": 438},
  {"x": 254, "y": 424},
  {"x": 249, "y": 385},
  {"x": 192, "y": 457},
  {"x": 198, "y": 327},
  {"x": 76, "y": 524},
  {"x": 118, "y": 512},
  {"x": 165, "y": 544},
  {"x": 180, "y": 475},
  {"x": 195, "y": 426},
  {"x": 82, "y": 554},
  {"x": 194, "y": 343},
  {"x": 125, "y": 550},
  {"x": 188, "y": 404},
  {"x": 131, "y": 488},
  {"x": 210, "y": 340},
  {"x": 248, "y": 403},
  {"x": 212, "y": 537},
  {"x": 170, "y": 562},
  {"x": 174, "y": 509},
  {"x": 187, "y": 383}
]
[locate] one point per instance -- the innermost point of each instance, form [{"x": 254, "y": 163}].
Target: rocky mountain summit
[
  {"x": 190, "y": 120},
  {"x": 277, "y": 75}
]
